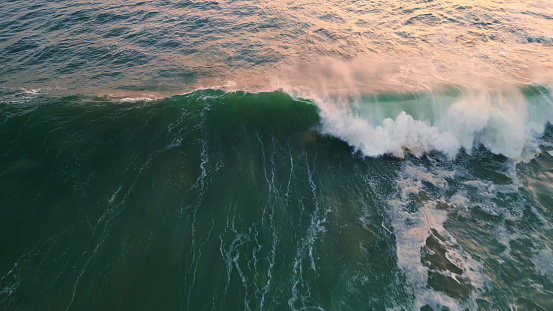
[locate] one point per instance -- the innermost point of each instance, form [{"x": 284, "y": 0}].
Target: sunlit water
[{"x": 242, "y": 155}]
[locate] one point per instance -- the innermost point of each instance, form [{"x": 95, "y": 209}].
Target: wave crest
[{"x": 508, "y": 122}]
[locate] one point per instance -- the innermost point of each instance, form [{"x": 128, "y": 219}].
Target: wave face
[{"x": 243, "y": 201}]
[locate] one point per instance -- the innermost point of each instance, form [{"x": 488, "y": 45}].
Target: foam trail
[{"x": 414, "y": 229}]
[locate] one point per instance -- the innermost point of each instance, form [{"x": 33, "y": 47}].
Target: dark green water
[
  {"x": 234, "y": 201},
  {"x": 198, "y": 201}
]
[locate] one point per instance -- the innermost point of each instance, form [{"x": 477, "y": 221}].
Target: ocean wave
[{"x": 508, "y": 122}]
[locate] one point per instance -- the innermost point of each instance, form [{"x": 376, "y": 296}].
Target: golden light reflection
[{"x": 380, "y": 45}]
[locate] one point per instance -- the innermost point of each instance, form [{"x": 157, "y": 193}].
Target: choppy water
[{"x": 336, "y": 155}]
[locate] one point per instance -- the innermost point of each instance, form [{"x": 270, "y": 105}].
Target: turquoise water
[{"x": 271, "y": 156}]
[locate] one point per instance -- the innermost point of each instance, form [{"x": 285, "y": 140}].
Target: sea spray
[{"x": 505, "y": 120}]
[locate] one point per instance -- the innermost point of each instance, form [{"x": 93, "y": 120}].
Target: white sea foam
[
  {"x": 136, "y": 99},
  {"x": 543, "y": 261},
  {"x": 412, "y": 228},
  {"x": 392, "y": 136},
  {"x": 502, "y": 119}
]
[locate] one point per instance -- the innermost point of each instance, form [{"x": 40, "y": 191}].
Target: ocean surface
[{"x": 276, "y": 155}]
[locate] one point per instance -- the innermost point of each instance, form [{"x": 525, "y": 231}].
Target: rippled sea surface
[{"x": 275, "y": 155}]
